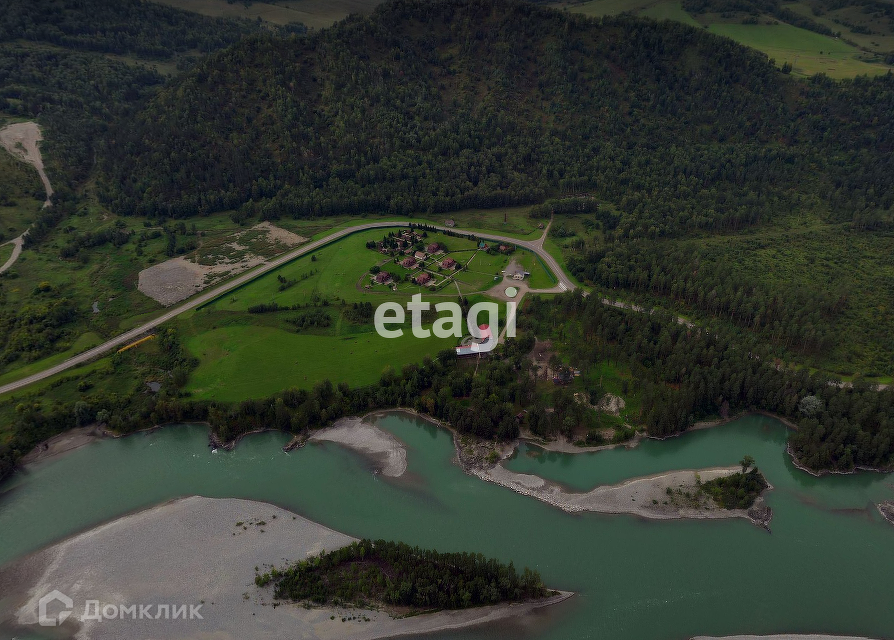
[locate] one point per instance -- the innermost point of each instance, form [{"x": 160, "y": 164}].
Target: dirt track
[{"x": 21, "y": 139}]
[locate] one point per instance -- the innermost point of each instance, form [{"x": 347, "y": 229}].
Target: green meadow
[
  {"x": 315, "y": 14},
  {"x": 245, "y": 355},
  {"x": 808, "y": 52},
  {"x": 342, "y": 270},
  {"x": 669, "y": 11},
  {"x": 541, "y": 277},
  {"x": 240, "y": 362}
]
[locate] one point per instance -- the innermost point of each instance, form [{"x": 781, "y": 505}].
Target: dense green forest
[
  {"x": 687, "y": 374},
  {"x": 56, "y": 67},
  {"x": 75, "y": 96},
  {"x": 447, "y": 105},
  {"x": 396, "y": 574},
  {"x": 135, "y": 27}
]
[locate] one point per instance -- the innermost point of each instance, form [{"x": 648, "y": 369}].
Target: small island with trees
[
  {"x": 402, "y": 578},
  {"x": 739, "y": 490}
]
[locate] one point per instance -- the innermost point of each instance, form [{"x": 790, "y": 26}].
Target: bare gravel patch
[
  {"x": 179, "y": 278},
  {"x": 369, "y": 440},
  {"x": 21, "y": 139}
]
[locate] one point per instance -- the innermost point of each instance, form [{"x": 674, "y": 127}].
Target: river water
[{"x": 827, "y": 567}]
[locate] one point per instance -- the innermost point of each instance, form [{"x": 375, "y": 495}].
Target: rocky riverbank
[
  {"x": 886, "y": 508},
  {"x": 665, "y": 496}
]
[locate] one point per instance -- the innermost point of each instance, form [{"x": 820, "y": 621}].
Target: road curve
[{"x": 536, "y": 246}]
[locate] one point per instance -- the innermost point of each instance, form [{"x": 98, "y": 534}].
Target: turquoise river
[{"x": 828, "y": 565}]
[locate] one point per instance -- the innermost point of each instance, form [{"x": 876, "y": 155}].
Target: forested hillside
[
  {"x": 143, "y": 29},
  {"x": 452, "y": 104},
  {"x": 79, "y": 66}
]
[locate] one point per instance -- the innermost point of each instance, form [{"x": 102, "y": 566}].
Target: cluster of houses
[{"x": 406, "y": 242}]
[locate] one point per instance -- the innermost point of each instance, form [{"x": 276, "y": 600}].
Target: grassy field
[
  {"x": 608, "y": 7},
  {"x": 540, "y": 277},
  {"x": 809, "y": 53},
  {"x": 241, "y": 362},
  {"x": 880, "y": 40},
  {"x": 341, "y": 270},
  {"x": 482, "y": 272},
  {"x": 315, "y": 14},
  {"x": 669, "y": 11},
  {"x": 508, "y": 221}
]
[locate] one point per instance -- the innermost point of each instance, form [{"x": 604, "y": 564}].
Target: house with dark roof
[
  {"x": 448, "y": 263},
  {"x": 383, "y": 277},
  {"x": 423, "y": 278},
  {"x": 434, "y": 247},
  {"x": 408, "y": 262}
]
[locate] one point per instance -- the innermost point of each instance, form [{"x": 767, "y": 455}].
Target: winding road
[{"x": 536, "y": 246}]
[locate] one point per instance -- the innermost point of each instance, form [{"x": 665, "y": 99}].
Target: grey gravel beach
[
  {"x": 367, "y": 439},
  {"x": 202, "y": 553}
]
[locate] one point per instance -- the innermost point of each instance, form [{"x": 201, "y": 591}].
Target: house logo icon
[{"x": 54, "y": 596}]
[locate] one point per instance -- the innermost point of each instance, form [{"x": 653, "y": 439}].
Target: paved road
[{"x": 564, "y": 283}]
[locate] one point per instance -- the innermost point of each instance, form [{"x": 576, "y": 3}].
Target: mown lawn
[{"x": 541, "y": 277}]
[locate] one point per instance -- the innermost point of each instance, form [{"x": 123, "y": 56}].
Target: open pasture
[
  {"x": 248, "y": 361},
  {"x": 315, "y": 14}
]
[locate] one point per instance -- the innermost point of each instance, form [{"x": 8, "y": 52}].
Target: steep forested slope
[
  {"x": 61, "y": 62},
  {"x": 451, "y": 104},
  {"x": 135, "y": 27}
]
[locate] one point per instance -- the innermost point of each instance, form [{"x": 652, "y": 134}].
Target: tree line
[{"x": 124, "y": 27}]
